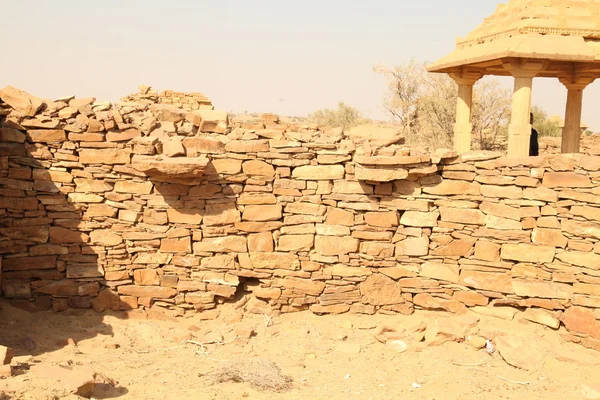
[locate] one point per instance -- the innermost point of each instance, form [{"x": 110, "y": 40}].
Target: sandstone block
[
  {"x": 379, "y": 290},
  {"x": 295, "y": 243},
  {"x": 502, "y": 192},
  {"x": 262, "y": 213},
  {"x": 419, "y": 219},
  {"x": 287, "y": 261},
  {"x": 451, "y": 187},
  {"x": 134, "y": 187},
  {"x": 414, "y": 247},
  {"x": 21, "y": 101},
  {"x": 213, "y": 121},
  {"x": 12, "y": 135},
  {"x": 382, "y": 219},
  {"x": 236, "y": 244},
  {"x": 146, "y": 277},
  {"x": 566, "y": 180},
  {"x": 336, "y": 216},
  {"x": 167, "y": 112},
  {"x": 258, "y": 168},
  {"x": 462, "y": 216},
  {"x": 380, "y": 174},
  {"x": 457, "y": 248},
  {"x": 528, "y": 253},
  {"x": 203, "y": 145},
  {"x": 581, "y": 259},
  {"x": 224, "y": 214},
  {"x": 104, "y": 156},
  {"x": 260, "y": 242},
  {"x": 500, "y": 210},
  {"x": 319, "y": 173},
  {"x": 487, "y": 251},
  {"x": 335, "y": 246},
  {"x": 92, "y": 186},
  {"x": 183, "y": 245},
  {"x": 306, "y": 286},
  {"x": 549, "y": 237},
  {"x": 541, "y": 317},
  {"x": 191, "y": 216},
  {"x": 443, "y": 272},
  {"x": 492, "y": 281},
  {"x": 60, "y": 235},
  {"x": 541, "y": 193},
  {"x": 105, "y": 237},
  {"x": 153, "y": 292},
  {"x": 544, "y": 290}
]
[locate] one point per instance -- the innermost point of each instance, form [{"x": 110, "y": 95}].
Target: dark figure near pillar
[{"x": 534, "y": 149}]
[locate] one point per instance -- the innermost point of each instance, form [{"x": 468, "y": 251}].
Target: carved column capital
[
  {"x": 576, "y": 81},
  {"x": 466, "y": 76},
  {"x": 524, "y": 68}
]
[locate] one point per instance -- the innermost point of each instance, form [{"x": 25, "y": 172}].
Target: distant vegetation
[
  {"x": 344, "y": 116},
  {"x": 543, "y": 125},
  {"x": 425, "y": 105}
]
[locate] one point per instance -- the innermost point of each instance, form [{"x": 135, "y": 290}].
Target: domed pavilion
[{"x": 526, "y": 39}]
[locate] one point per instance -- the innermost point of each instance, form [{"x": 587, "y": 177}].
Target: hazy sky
[{"x": 279, "y": 56}]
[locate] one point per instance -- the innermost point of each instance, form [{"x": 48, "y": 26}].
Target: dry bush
[{"x": 259, "y": 373}]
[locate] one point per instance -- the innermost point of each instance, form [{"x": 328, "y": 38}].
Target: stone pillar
[
  {"x": 463, "y": 127},
  {"x": 519, "y": 130},
  {"x": 571, "y": 134}
]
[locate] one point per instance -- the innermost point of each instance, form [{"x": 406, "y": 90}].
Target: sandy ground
[{"x": 332, "y": 357}]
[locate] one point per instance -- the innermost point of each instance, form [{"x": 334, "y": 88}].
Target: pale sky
[{"x": 285, "y": 57}]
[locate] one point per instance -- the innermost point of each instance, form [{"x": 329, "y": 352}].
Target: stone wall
[
  {"x": 147, "y": 206},
  {"x": 185, "y": 101}
]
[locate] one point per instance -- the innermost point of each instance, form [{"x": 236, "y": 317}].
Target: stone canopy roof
[{"x": 561, "y": 32}]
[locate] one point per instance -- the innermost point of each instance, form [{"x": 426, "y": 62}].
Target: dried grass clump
[{"x": 259, "y": 373}]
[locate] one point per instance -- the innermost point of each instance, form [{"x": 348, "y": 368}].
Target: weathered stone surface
[
  {"x": 487, "y": 251},
  {"x": 379, "y": 290},
  {"x": 450, "y": 187},
  {"x": 317, "y": 173},
  {"x": 545, "y": 290},
  {"x": 262, "y": 213},
  {"x": 520, "y": 351},
  {"x": 46, "y": 135},
  {"x": 462, "y": 216},
  {"x": 549, "y": 237},
  {"x": 443, "y": 272},
  {"x": 295, "y": 243},
  {"x": 336, "y": 216},
  {"x": 175, "y": 167},
  {"x": 494, "y": 282},
  {"x": 380, "y": 174},
  {"x": 278, "y": 260},
  {"x": 21, "y": 101},
  {"x": 258, "y": 168},
  {"x": 153, "y": 292},
  {"x": 334, "y": 246},
  {"x": 382, "y": 219},
  {"x": 190, "y": 216},
  {"x": 60, "y": 235},
  {"x": 236, "y": 244},
  {"x": 565, "y": 180},
  {"x": 581, "y": 259},
  {"x": 414, "y": 247},
  {"x": 528, "y": 253},
  {"x": 167, "y": 112},
  {"x": 541, "y": 317},
  {"x": 457, "y": 248},
  {"x": 134, "y": 187},
  {"x": 104, "y": 156},
  {"x": 500, "y": 210},
  {"x": 419, "y": 219},
  {"x": 105, "y": 237},
  {"x": 581, "y": 229}
]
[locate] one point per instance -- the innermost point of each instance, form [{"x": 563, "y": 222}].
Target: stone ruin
[{"x": 143, "y": 206}]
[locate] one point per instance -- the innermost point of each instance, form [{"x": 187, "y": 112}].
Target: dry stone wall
[{"x": 139, "y": 205}]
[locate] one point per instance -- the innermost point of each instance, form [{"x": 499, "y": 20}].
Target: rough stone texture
[{"x": 282, "y": 210}]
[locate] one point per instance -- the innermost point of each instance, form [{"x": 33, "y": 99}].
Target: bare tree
[{"x": 425, "y": 105}]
